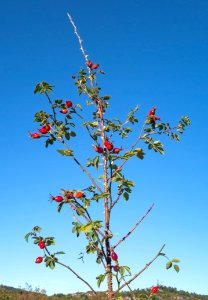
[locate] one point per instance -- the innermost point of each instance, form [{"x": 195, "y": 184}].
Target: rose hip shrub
[{"x": 107, "y": 159}]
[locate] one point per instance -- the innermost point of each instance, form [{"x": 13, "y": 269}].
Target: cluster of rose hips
[
  {"x": 92, "y": 66},
  {"x": 114, "y": 257},
  {"x": 39, "y": 259},
  {"x": 68, "y": 195},
  {"x": 108, "y": 145},
  {"x": 45, "y": 129},
  {"x": 68, "y": 104},
  {"x": 151, "y": 116}
]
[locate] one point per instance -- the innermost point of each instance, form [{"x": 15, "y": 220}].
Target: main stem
[{"x": 107, "y": 207}]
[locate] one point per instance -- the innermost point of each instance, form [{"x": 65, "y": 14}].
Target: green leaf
[
  {"x": 60, "y": 252},
  {"x": 100, "y": 279},
  {"x": 121, "y": 270},
  {"x": 126, "y": 196},
  {"x": 176, "y": 267},
  {"x": 43, "y": 87},
  {"x": 37, "y": 228},
  {"x": 169, "y": 265},
  {"x": 127, "y": 268},
  {"x": 65, "y": 152},
  {"x": 27, "y": 236},
  {"x": 95, "y": 162},
  {"x": 79, "y": 106},
  {"x": 139, "y": 153},
  {"x": 72, "y": 133},
  {"x": 175, "y": 260},
  {"x": 52, "y": 264},
  {"x": 37, "y": 240},
  {"x": 106, "y": 97},
  {"x": 59, "y": 207}
]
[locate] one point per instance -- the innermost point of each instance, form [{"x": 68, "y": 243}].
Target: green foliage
[{"x": 43, "y": 87}]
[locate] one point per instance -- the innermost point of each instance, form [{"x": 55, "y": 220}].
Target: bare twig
[
  {"x": 130, "y": 231},
  {"x": 78, "y": 36},
  {"x": 140, "y": 272}
]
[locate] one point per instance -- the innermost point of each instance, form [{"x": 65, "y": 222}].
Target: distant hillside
[{"x": 165, "y": 293}]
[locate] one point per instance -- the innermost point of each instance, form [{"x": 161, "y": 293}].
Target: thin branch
[
  {"x": 88, "y": 174},
  {"x": 145, "y": 267},
  {"x": 116, "y": 200},
  {"x": 70, "y": 269},
  {"x": 83, "y": 168},
  {"x": 130, "y": 231}
]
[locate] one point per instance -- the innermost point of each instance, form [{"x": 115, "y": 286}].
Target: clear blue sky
[{"x": 155, "y": 53}]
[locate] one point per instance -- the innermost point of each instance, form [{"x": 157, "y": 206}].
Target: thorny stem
[
  {"x": 140, "y": 272},
  {"x": 130, "y": 231},
  {"x": 78, "y": 36}
]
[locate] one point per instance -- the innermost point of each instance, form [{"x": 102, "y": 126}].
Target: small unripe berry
[
  {"x": 114, "y": 256},
  {"x": 41, "y": 245},
  {"x": 39, "y": 260},
  {"x": 68, "y": 104}
]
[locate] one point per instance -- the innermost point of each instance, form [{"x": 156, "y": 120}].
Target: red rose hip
[
  {"x": 64, "y": 111},
  {"x": 116, "y": 150},
  {"x": 116, "y": 268},
  {"x": 35, "y": 135},
  {"x": 152, "y": 111},
  {"x": 154, "y": 289},
  {"x": 114, "y": 256},
  {"x": 68, "y": 104},
  {"x": 41, "y": 245},
  {"x": 108, "y": 145},
  {"x": 79, "y": 194},
  {"x": 89, "y": 64},
  {"x": 95, "y": 66},
  {"x": 98, "y": 149},
  {"x": 57, "y": 198},
  {"x": 39, "y": 260}
]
